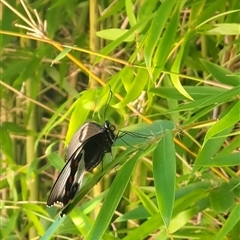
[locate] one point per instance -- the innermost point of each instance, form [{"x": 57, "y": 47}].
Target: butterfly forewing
[
  {"x": 82, "y": 135},
  {"x": 95, "y": 148}
]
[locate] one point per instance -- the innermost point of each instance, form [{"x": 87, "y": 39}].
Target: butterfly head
[{"x": 110, "y": 128}]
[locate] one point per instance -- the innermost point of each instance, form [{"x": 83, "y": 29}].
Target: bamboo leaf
[
  {"x": 155, "y": 31},
  {"x": 146, "y": 201},
  {"x": 176, "y": 67},
  {"x": 232, "y": 220},
  {"x": 61, "y": 55},
  {"x": 150, "y": 225},
  {"x": 222, "y": 74},
  {"x": 231, "y": 118},
  {"x": 114, "y": 33},
  {"x": 164, "y": 170},
  {"x": 135, "y": 88},
  {"x": 224, "y": 29},
  {"x": 112, "y": 200}
]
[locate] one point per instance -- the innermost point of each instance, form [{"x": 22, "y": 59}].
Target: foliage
[{"x": 173, "y": 68}]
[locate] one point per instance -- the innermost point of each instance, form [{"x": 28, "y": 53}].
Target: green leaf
[
  {"x": 232, "y": 146},
  {"x": 110, "y": 47},
  {"x": 54, "y": 120},
  {"x": 10, "y": 225},
  {"x": 197, "y": 92},
  {"x": 6, "y": 143},
  {"x": 135, "y": 88},
  {"x": 82, "y": 107},
  {"x": 12, "y": 71},
  {"x": 89, "y": 184},
  {"x": 149, "y": 226},
  {"x": 55, "y": 160},
  {"x": 222, "y": 74},
  {"x": 165, "y": 45},
  {"x": 82, "y": 221},
  {"x": 52, "y": 229},
  {"x": 115, "y": 33},
  {"x": 210, "y": 149},
  {"x": 31, "y": 214},
  {"x": 231, "y": 221},
  {"x": 164, "y": 171},
  {"x": 15, "y": 128},
  {"x": 199, "y": 104},
  {"x": 146, "y": 201},
  {"x": 130, "y": 13},
  {"x": 155, "y": 31},
  {"x": 224, "y": 29},
  {"x": 177, "y": 64},
  {"x": 231, "y": 118},
  {"x": 226, "y": 160},
  {"x": 182, "y": 219},
  {"x": 222, "y": 198},
  {"x": 143, "y": 132},
  {"x": 113, "y": 198},
  {"x": 61, "y": 55}
]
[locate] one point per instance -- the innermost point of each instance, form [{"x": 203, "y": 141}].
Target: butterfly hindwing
[
  {"x": 58, "y": 188},
  {"x": 69, "y": 180}
]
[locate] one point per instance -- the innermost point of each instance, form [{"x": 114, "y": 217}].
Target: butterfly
[{"x": 85, "y": 151}]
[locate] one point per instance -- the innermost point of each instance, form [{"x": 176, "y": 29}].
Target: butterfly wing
[
  {"x": 94, "y": 151},
  {"x": 85, "y": 151},
  {"x": 68, "y": 181},
  {"x": 96, "y": 140},
  {"x": 71, "y": 176},
  {"x": 82, "y": 135}
]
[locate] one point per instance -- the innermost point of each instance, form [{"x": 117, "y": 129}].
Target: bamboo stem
[{"x": 30, "y": 153}]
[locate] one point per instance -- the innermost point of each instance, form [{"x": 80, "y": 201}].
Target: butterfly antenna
[{"x": 108, "y": 102}]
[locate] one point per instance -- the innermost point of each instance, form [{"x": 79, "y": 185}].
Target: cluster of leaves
[{"x": 173, "y": 69}]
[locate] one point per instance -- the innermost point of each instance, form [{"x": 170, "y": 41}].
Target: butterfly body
[{"x": 85, "y": 151}]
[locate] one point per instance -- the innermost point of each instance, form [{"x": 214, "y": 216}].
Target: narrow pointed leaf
[
  {"x": 164, "y": 170},
  {"x": 113, "y": 198}
]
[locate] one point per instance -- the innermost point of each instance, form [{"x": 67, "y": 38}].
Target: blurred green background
[{"x": 173, "y": 67}]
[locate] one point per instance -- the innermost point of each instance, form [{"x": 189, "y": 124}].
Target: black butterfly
[{"x": 85, "y": 151}]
